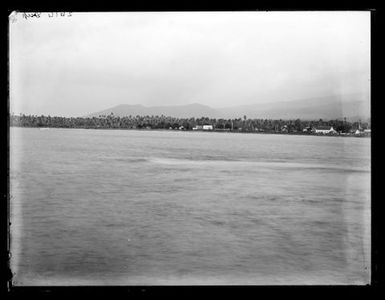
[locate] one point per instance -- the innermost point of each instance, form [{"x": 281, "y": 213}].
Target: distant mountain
[
  {"x": 179, "y": 111},
  {"x": 353, "y": 107}
]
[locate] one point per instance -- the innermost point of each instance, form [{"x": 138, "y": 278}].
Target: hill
[
  {"x": 333, "y": 107},
  {"x": 353, "y": 107},
  {"x": 179, "y": 111}
]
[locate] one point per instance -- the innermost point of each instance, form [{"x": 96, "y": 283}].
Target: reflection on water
[{"x": 131, "y": 207}]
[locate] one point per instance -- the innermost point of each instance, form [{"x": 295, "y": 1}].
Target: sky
[{"x": 82, "y": 63}]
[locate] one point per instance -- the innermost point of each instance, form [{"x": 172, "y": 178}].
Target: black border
[{"x": 377, "y": 268}]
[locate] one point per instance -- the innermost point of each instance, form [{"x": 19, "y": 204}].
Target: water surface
[{"x": 165, "y": 207}]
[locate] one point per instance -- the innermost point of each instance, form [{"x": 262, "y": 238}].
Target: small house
[
  {"x": 359, "y": 132},
  {"x": 207, "y": 127},
  {"x": 198, "y": 127},
  {"x": 324, "y": 130}
]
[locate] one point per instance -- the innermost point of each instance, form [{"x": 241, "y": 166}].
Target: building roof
[{"x": 323, "y": 127}]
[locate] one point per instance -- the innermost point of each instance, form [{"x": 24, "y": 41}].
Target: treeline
[{"x": 164, "y": 122}]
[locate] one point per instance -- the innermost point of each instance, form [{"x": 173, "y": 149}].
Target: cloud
[{"x": 91, "y": 61}]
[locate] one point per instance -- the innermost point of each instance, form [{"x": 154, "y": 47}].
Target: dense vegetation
[{"x": 162, "y": 122}]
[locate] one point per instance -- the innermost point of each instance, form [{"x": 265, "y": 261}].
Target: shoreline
[{"x": 206, "y": 131}]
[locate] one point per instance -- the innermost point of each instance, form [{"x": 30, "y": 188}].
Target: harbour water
[{"x": 172, "y": 207}]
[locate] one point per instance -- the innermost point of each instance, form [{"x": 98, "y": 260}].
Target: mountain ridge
[
  {"x": 182, "y": 111},
  {"x": 331, "y": 107}
]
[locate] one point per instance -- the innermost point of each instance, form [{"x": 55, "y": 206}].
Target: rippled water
[{"x": 164, "y": 207}]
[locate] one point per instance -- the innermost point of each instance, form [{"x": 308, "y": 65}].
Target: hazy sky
[{"x": 92, "y": 61}]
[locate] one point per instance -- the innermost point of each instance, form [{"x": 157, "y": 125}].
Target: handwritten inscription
[
  {"x": 50, "y": 15},
  {"x": 31, "y": 15},
  {"x": 59, "y": 14}
]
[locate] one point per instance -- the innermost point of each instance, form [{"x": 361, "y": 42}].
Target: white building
[
  {"x": 198, "y": 127},
  {"x": 324, "y": 130},
  {"x": 359, "y": 132},
  {"x": 207, "y": 127}
]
